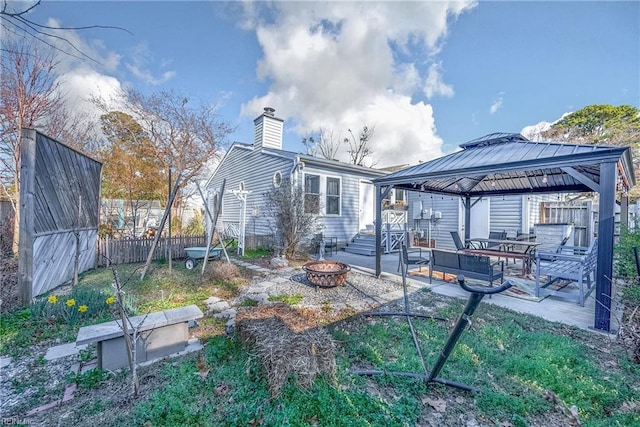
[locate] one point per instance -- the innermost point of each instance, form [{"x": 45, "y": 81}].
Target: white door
[
  {"x": 479, "y": 226},
  {"x": 366, "y": 209}
]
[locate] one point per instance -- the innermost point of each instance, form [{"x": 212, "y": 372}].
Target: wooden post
[
  {"x": 27, "y": 209},
  {"x": 214, "y": 220},
  {"x": 172, "y": 196}
]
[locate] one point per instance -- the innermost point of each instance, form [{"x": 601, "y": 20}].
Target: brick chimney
[{"x": 268, "y": 130}]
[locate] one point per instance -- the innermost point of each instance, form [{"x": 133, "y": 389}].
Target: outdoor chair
[
  {"x": 496, "y": 235},
  {"x": 572, "y": 263},
  {"x": 458, "y": 242},
  {"x": 412, "y": 257}
]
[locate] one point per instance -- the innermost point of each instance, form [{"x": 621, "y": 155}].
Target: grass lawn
[{"x": 530, "y": 372}]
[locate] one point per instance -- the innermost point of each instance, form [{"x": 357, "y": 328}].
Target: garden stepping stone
[
  {"x": 219, "y": 306},
  {"x": 63, "y": 350},
  {"x": 230, "y": 312},
  {"x": 4, "y": 362}
]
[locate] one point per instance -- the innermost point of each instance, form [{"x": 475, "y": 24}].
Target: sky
[{"x": 427, "y": 76}]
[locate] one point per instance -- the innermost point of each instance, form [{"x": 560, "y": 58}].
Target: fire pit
[{"x": 326, "y": 274}]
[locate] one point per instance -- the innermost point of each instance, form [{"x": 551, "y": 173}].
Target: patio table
[{"x": 505, "y": 249}]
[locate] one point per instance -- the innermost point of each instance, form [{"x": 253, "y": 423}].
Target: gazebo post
[
  {"x": 380, "y": 195},
  {"x": 606, "y": 227},
  {"x": 467, "y": 219}
]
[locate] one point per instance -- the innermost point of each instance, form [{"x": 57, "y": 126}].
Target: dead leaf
[
  {"x": 506, "y": 424},
  {"x": 221, "y": 389},
  {"x": 256, "y": 422},
  {"x": 460, "y": 399},
  {"x": 202, "y": 374},
  {"x": 628, "y": 407},
  {"x": 439, "y": 405}
]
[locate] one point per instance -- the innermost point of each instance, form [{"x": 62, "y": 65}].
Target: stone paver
[
  {"x": 4, "y": 362},
  {"x": 63, "y": 350},
  {"x": 219, "y": 306}
]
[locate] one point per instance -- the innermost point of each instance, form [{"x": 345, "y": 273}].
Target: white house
[{"x": 344, "y": 191}]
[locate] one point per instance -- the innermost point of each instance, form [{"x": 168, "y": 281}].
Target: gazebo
[{"x": 507, "y": 163}]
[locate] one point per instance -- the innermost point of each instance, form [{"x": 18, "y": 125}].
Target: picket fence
[{"x": 126, "y": 251}]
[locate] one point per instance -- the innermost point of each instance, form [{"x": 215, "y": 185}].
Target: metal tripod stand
[{"x": 475, "y": 296}]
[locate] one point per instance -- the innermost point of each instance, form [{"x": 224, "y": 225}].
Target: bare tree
[
  {"x": 286, "y": 205},
  {"x": 360, "y": 149},
  {"x": 15, "y": 21},
  {"x": 184, "y": 137},
  {"x": 326, "y": 146},
  {"x": 29, "y": 93}
]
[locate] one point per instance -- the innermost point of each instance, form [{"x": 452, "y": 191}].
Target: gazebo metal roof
[
  {"x": 509, "y": 163},
  {"x": 503, "y": 163}
]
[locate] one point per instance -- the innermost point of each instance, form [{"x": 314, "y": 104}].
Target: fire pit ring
[{"x": 326, "y": 274}]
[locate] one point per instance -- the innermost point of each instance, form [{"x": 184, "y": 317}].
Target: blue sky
[{"x": 427, "y": 75}]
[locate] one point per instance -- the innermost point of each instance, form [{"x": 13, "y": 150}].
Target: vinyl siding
[
  {"x": 345, "y": 225},
  {"x": 256, "y": 170},
  {"x": 440, "y": 229},
  {"x": 505, "y": 214}
]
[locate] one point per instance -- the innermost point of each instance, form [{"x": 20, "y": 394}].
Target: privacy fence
[{"x": 59, "y": 216}]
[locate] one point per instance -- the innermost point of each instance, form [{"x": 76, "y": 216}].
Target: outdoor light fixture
[
  {"x": 493, "y": 182},
  {"x": 544, "y": 178}
]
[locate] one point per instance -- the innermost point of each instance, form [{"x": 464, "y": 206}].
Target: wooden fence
[{"x": 127, "y": 251}]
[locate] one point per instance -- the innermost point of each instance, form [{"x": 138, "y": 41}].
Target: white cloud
[
  {"x": 497, "y": 103},
  {"x": 434, "y": 84},
  {"x": 332, "y": 65},
  {"x": 534, "y": 132},
  {"x": 140, "y": 56}
]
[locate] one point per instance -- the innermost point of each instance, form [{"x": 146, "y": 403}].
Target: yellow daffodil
[
  {"x": 71, "y": 302},
  {"x": 111, "y": 300},
  {"x": 52, "y": 299},
  {"x": 83, "y": 308}
]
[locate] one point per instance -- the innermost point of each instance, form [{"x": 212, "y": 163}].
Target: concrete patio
[{"x": 551, "y": 308}]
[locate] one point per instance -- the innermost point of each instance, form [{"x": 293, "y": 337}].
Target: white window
[
  {"x": 277, "y": 179},
  {"x": 312, "y": 194},
  {"x": 333, "y": 196},
  {"x": 322, "y": 194}
]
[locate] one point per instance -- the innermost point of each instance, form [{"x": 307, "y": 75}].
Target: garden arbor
[{"x": 503, "y": 163}]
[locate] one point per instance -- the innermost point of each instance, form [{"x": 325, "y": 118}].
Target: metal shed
[{"x": 507, "y": 163}]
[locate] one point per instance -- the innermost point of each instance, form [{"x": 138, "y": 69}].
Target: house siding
[
  {"x": 256, "y": 170},
  {"x": 440, "y": 229},
  {"x": 345, "y": 225},
  {"x": 505, "y": 214}
]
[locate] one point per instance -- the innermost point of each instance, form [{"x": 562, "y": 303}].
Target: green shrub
[
  {"x": 625, "y": 266},
  {"x": 92, "y": 378}
]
